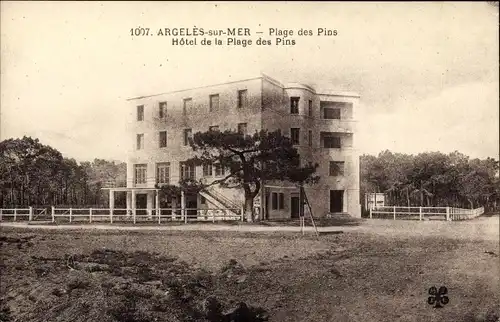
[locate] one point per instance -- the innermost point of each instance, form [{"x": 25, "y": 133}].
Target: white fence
[
  {"x": 16, "y": 213},
  {"x": 464, "y": 214},
  {"x": 90, "y": 215},
  {"x": 423, "y": 213}
]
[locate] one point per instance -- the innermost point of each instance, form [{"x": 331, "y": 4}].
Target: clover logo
[{"x": 438, "y": 298}]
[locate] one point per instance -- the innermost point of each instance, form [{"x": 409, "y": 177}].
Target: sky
[{"x": 427, "y": 73}]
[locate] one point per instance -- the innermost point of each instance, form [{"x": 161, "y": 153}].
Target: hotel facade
[{"x": 321, "y": 124}]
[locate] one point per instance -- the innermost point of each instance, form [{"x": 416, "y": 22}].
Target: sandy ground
[{"x": 378, "y": 271}]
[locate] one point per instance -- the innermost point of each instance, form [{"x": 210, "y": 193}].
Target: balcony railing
[
  {"x": 337, "y": 125},
  {"x": 114, "y": 184}
]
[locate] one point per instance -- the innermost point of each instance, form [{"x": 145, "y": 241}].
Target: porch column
[
  {"x": 301, "y": 202},
  {"x": 346, "y": 202},
  {"x": 111, "y": 201},
  {"x": 183, "y": 205},
  {"x": 134, "y": 203},
  {"x": 129, "y": 201},
  {"x": 157, "y": 202},
  {"x": 174, "y": 208},
  {"x": 149, "y": 203}
]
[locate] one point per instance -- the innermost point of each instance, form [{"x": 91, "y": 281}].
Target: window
[
  {"x": 214, "y": 128},
  {"x": 187, "y": 135},
  {"x": 163, "y": 173},
  {"x": 336, "y": 168},
  {"x": 331, "y": 113},
  {"x": 140, "y": 171},
  {"x": 242, "y": 98},
  {"x": 277, "y": 201},
  {"x": 207, "y": 170},
  {"x": 187, "y": 171},
  {"x": 140, "y": 142},
  {"x": 140, "y": 113},
  {"x": 203, "y": 200},
  {"x": 219, "y": 170},
  {"x": 295, "y": 135},
  {"x": 162, "y": 109},
  {"x": 294, "y": 105},
  {"x": 310, "y": 111},
  {"x": 331, "y": 142},
  {"x": 214, "y": 102},
  {"x": 163, "y": 139},
  {"x": 187, "y": 105},
  {"x": 310, "y": 138},
  {"x": 242, "y": 128}
]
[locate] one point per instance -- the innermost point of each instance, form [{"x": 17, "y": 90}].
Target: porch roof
[{"x": 125, "y": 189}]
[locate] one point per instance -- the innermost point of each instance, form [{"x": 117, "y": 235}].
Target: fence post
[
  {"x": 242, "y": 213},
  {"x": 30, "y": 218},
  {"x": 183, "y": 206},
  {"x": 90, "y": 215},
  {"x": 447, "y": 213},
  {"x": 15, "y": 214},
  {"x": 159, "y": 215},
  {"x": 70, "y": 214},
  {"x": 1, "y": 210},
  {"x": 420, "y": 211},
  {"x": 371, "y": 212},
  {"x": 185, "y": 215},
  {"x": 213, "y": 216},
  {"x": 53, "y": 214},
  {"x": 134, "y": 215},
  {"x": 394, "y": 210}
]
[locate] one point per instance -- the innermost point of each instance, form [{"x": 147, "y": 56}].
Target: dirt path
[
  {"x": 379, "y": 271},
  {"x": 484, "y": 228},
  {"x": 189, "y": 227}
]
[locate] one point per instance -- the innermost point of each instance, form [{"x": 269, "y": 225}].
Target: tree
[
  {"x": 26, "y": 167},
  {"x": 478, "y": 183},
  {"x": 34, "y": 174},
  {"x": 432, "y": 179},
  {"x": 250, "y": 160}
]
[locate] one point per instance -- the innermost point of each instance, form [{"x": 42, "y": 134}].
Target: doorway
[
  {"x": 295, "y": 206},
  {"x": 141, "y": 204},
  {"x": 336, "y": 200},
  {"x": 191, "y": 205}
]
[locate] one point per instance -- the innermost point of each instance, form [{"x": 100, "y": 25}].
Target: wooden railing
[
  {"x": 16, "y": 213},
  {"x": 422, "y": 213},
  {"x": 222, "y": 199},
  {"x": 158, "y": 215}
]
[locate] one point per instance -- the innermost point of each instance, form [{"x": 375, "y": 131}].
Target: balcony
[
  {"x": 335, "y": 154},
  {"x": 114, "y": 184},
  {"x": 337, "y": 125}
]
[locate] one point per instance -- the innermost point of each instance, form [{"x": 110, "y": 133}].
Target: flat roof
[{"x": 261, "y": 76}]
